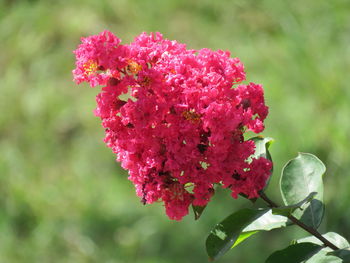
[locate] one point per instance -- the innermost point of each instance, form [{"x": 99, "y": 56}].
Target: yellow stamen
[
  {"x": 134, "y": 67},
  {"x": 191, "y": 115},
  {"x": 90, "y": 67}
]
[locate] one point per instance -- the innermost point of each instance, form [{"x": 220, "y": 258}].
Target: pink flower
[
  {"x": 96, "y": 58},
  {"x": 179, "y": 129}
]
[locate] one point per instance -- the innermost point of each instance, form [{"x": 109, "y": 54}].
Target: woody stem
[{"x": 311, "y": 230}]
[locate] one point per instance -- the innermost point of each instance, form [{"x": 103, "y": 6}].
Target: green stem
[{"x": 311, "y": 230}]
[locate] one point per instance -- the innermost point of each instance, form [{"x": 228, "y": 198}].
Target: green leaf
[
  {"x": 294, "y": 253},
  {"x": 239, "y": 226},
  {"x": 243, "y": 236},
  {"x": 300, "y": 177},
  {"x": 262, "y": 147},
  {"x": 288, "y": 210},
  {"x": 225, "y": 234},
  {"x": 198, "y": 210},
  {"x": 324, "y": 255},
  {"x": 262, "y": 150},
  {"x": 333, "y": 237},
  {"x": 343, "y": 254},
  {"x": 266, "y": 222}
]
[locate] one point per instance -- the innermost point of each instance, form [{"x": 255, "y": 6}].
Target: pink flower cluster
[{"x": 176, "y": 117}]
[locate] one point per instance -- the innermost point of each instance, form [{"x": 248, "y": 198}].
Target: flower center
[
  {"x": 134, "y": 67},
  {"x": 90, "y": 67},
  {"x": 191, "y": 115}
]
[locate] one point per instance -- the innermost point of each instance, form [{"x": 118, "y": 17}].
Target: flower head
[{"x": 176, "y": 118}]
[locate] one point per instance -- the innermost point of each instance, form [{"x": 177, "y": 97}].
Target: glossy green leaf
[
  {"x": 238, "y": 227},
  {"x": 198, "y": 210},
  {"x": 288, "y": 210},
  {"x": 262, "y": 145},
  {"x": 324, "y": 255},
  {"x": 296, "y": 253},
  {"x": 225, "y": 234},
  {"x": 300, "y": 177},
  {"x": 343, "y": 254},
  {"x": 243, "y": 236},
  {"x": 266, "y": 222},
  {"x": 333, "y": 237}
]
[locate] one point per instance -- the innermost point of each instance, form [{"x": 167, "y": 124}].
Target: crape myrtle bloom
[
  {"x": 97, "y": 58},
  {"x": 175, "y": 117}
]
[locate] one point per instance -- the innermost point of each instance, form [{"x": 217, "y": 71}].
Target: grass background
[{"x": 63, "y": 198}]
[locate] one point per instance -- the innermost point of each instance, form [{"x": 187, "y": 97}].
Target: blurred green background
[{"x": 63, "y": 198}]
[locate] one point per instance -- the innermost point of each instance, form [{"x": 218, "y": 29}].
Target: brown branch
[{"x": 311, "y": 230}]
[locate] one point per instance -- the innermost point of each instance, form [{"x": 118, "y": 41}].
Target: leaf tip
[{"x": 197, "y": 211}]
